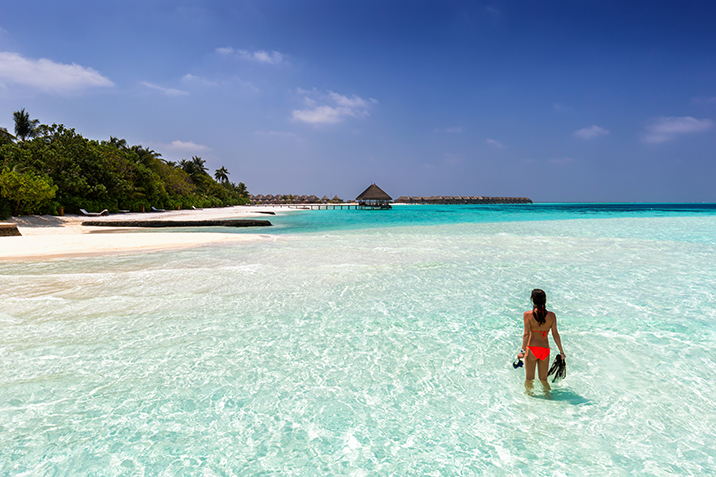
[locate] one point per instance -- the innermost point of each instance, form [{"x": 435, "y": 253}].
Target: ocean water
[{"x": 371, "y": 343}]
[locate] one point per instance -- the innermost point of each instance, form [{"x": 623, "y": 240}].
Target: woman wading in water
[{"x": 535, "y": 345}]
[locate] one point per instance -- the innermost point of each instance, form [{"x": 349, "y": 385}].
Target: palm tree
[
  {"x": 145, "y": 156},
  {"x": 24, "y": 126},
  {"x": 199, "y": 164},
  {"x": 5, "y": 136},
  {"x": 186, "y": 166},
  {"x": 118, "y": 143},
  {"x": 222, "y": 175},
  {"x": 196, "y": 168}
]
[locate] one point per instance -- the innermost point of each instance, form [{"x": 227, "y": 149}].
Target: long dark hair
[{"x": 539, "y": 299}]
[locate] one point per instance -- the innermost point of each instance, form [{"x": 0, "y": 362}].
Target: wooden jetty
[{"x": 347, "y": 206}]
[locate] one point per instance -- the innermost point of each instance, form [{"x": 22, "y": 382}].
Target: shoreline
[{"x": 53, "y": 237}]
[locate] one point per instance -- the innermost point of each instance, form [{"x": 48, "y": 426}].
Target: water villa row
[
  {"x": 376, "y": 198},
  {"x": 462, "y": 200},
  {"x": 292, "y": 199}
]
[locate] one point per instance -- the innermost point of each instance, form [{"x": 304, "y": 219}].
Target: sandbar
[{"x": 51, "y": 237}]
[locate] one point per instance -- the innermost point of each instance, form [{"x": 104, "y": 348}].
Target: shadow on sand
[{"x": 38, "y": 221}]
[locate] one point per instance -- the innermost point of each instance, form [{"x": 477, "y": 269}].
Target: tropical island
[{"x": 52, "y": 169}]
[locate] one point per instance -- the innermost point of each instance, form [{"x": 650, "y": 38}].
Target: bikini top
[{"x": 544, "y": 333}]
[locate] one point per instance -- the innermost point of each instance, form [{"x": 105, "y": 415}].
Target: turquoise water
[{"x": 371, "y": 343}]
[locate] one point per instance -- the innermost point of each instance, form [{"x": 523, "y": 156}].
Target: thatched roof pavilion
[
  {"x": 374, "y": 197},
  {"x": 374, "y": 193}
]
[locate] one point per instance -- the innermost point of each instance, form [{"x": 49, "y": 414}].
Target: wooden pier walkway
[{"x": 346, "y": 206}]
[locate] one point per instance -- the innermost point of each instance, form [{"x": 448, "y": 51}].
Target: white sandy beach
[{"x": 45, "y": 237}]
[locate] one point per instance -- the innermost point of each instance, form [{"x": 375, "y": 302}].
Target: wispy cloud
[
  {"x": 47, "y": 76},
  {"x": 668, "y": 128},
  {"x": 495, "y": 143},
  {"x": 186, "y": 146},
  {"x": 331, "y": 107},
  {"x": 198, "y": 80},
  {"x": 167, "y": 91},
  {"x": 590, "y": 132},
  {"x": 260, "y": 56}
]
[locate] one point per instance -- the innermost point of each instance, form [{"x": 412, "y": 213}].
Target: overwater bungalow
[{"x": 374, "y": 198}]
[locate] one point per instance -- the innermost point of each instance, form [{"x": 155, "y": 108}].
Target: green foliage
[
  {"x": 6, "y": 137},
  {"x": 5, "y": 208},
  {"x": 27, "y": 192},
  {"x": 24, "y": 126},
  {"x": 93, "y": 175}
]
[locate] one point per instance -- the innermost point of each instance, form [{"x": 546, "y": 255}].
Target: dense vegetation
[{"x": 43, "y": 168}]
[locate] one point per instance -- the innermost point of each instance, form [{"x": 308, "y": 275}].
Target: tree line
[{"x": 47, "y": 168}]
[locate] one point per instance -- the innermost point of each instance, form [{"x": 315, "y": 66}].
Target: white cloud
[
  {"x": 260, "y": 56},
  {"x": 353, "y": 102},
  {"x": 47, "y": 76},
  {"x": 186, "y": 146},
  {"x": 667, "y": 128},
  {"x": 167, "y": 91},
  {"x": 590, "y": 132},
  {"x": 338, "y": 108},
  {"x": 192, "y": 79},
  {"x": 270, "y": 57},
  {"x": 321, "y": 115},
  {"x": 495, "y": 143}
]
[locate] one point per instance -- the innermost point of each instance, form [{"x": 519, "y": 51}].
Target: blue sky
[{"x": 554, "y": 100}]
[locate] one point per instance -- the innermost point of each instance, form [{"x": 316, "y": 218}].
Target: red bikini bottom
[{"x": 539, "y": 352}]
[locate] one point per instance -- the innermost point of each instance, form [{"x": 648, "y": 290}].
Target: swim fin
[{"x": 558, "y": 368}]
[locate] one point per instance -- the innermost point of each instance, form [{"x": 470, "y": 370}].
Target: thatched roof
[{"x": 373, "y": 192}]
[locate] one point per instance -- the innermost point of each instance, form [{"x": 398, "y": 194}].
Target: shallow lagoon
[{"x": 370, "y": 344}]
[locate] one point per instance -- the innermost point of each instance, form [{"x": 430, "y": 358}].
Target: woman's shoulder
[{"x": 551, "y": 317}]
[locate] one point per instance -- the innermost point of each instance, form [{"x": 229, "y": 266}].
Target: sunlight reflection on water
[{"x": 381, "y": 351}]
